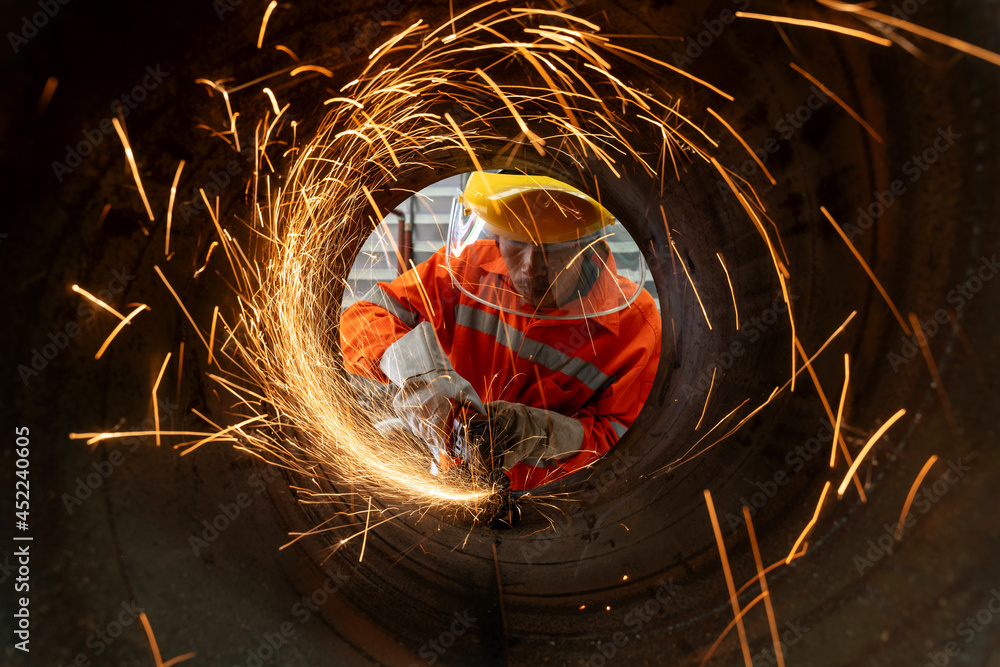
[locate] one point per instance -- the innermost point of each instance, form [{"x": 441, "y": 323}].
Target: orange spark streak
[
  {"x": 867, "y": 269},
  {"x": 774, "y": 255},
  {"x": 82, "y": 292},
  {"x": 840, "y": 409},
  {"x": 763, "y": 587},
  {"x": 868, "y": 446},
  {"x": 965, "y": 47},
  {"x": 465, "y": 142},
  {"x": 208, "y": 256},
  {"x": 156, "y": 649},
  {"x": 705, "y": 407},
  {"x": 282, "y": 47},
  {"x": 364, "y": 540},
  {"x": 817, "y": 24},
  {"x": 744, "y": 144},
  {"x": 695, "y": 289},
  {"x": 46, "y": 97},
  {"x": 180, "y": 303},
  {"x": 211, "y": 336},
  {"x": 121, "y": 325},
  {"x": 274, "y": 102},
  {"x": 311, "y": 68},
  {"x": 842, "y": 103},
  {"x": 735, "y": 308},
  {"x": 913, "y": 492},
  {"x": 935, "y": 375},
  {"x": 729, "y": 579},
  {"x": 829, "y": 414},
  {"x": 91, "y": 438},
  {"x": 535, "y": 140},
  {"x": 671, "y": 67},
  {"x": 156, "y": 406},
  {"x": 170, "y": 205},
  {"x": 812, "y": 522},
  {"x": 725, "y": 632},
  {"x": 218, "y": 435},
  {"x": 132, "y": 165},
  {"x": 263, "y": 24}
]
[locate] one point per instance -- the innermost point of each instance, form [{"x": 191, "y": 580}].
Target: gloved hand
[
  {"x": 427, "y": 386},
  {"x": 514, "y": 432}
]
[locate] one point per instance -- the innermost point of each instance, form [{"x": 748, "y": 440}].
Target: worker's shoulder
[{"x": 643, "y": 312}]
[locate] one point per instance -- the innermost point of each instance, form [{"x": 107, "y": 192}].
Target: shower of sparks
[
  {"x": 720, "y": 543},
  {"x": 836, "y": 98},
  {"x": 913, "y": 492},
  {"x": 871, "y": 274},
  {"x": 132, "y": 165},
  {"x": 861, "y": 457},
  {"x": 935, "y": 375},
  {"x": 815, "y": 518},
  {"x": 875, "y": 39},
  {"x": 429, "y": 101},
  {"x": 840, "y": 411},
  {"x": 763, "y": 587},
  {"x": 93, "y": 299}
]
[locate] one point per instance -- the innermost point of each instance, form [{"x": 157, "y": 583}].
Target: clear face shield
[{"x": 596, "y": 274}]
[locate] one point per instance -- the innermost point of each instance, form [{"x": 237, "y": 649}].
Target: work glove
[
  {"x": 538, "y": 437},
  {"x": 427, "y": 386}
]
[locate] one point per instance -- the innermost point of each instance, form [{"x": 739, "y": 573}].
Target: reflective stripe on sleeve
[
  {"x": 618, "y": 428},
  {"x": 532, "y": 350},
  {"x": 379, "y": 298}
]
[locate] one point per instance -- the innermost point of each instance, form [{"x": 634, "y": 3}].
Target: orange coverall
[{"x": 598, "y": 370}]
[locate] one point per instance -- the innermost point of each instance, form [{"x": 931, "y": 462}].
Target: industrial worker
[{"x": 522, "y": 321}]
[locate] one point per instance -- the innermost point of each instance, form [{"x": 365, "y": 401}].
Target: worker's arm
[
  {"x": 391, "y": 310},
  {"x": 551, "y": 445}
]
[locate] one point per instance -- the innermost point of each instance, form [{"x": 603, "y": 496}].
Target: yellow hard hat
[{"x": 537, "y": 209}]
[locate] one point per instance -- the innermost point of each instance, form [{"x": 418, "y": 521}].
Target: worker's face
[{"x": 544, "y": 275}]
